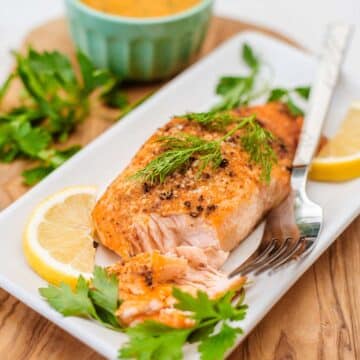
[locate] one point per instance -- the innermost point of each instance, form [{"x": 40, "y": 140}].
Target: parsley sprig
[
  {"x": 287, "y": 97},
  {"x": 53, "y": 103},
  {"x": 99, "y": 301},
  {"x": 239, "y": 90},
  {"x": 215, "y": 328}
]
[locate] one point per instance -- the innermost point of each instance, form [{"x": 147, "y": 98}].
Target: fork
[{"x": 292, "y": 228}]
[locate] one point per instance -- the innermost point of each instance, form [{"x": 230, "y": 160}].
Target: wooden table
[{"x": 319, "y": 318}]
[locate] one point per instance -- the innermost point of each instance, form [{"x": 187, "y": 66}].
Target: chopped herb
[
  {"x": 54, "y": 101},
  {"x": 257, "y": 143},
  {"x": 98, "y": 301},
  {"x": 212, "y": 120},
  {"x": 286, "y": 96},
  {"x": 5, "y": 85},
  {"x": 236, "y": 91},
  {"x": 256, "y": 140},
  {"x": 250, "y": 58},
  {"x": 303, "y": 91},
  {"x": 179, "y": 152},
  {"x": 152, "y": 341},
  {"x": 50, "y": 160}
]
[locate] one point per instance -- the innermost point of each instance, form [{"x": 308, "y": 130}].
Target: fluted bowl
[{"x": 140, "y": 49}]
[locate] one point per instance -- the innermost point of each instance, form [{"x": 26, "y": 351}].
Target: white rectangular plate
[{"x": 110, "y": 153}]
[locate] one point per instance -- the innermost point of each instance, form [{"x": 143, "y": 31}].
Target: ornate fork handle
[{"x": 328, "y": 71}]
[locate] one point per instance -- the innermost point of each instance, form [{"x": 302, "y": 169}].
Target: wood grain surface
[{"x": 319, "y": 318}]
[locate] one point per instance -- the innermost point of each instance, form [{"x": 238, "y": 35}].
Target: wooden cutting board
[{"x": 319, "y": 318}]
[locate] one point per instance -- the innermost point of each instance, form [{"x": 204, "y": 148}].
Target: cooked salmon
[
  {"x": 146, "y": 282},
  {"x": 199, "y": 219}
]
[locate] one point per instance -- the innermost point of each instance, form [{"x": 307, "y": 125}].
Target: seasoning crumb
[
  {"x": 95, "y": 244},
  {"x": 199, "y": 208},
  {"x": 194, "y": 214},
  {"x": 146, "y": 187},
  {"x": 224, "y": 163},
  {"x": 148, "y": 278},
  {"x": 167, "y": 195},
  {"x": 211, "y": 208},
  {"x": 283, "y": 149},
  {"x": 187, "y": 204},
  {"x": 206, "y": 176},
  {"x": 201, "y": 198}
]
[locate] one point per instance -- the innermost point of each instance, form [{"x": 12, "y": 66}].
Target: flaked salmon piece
[
  {"x": 203, "y": 218},
  {"x": 146, "y": 282}
]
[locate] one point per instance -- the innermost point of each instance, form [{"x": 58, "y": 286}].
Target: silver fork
[{"x": 293, "y": 227}]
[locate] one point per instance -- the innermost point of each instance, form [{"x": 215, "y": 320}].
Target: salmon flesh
[{"x": 199, "y": 218}]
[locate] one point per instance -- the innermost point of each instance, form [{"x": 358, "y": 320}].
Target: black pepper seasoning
[
  {"x": 211, "y": 208},
  {"x": 167, "y": 195},
  {"x": 224, "y": 163},
  {"x": 146, "y": 187}
]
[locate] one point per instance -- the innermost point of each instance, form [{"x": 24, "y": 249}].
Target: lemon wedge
[
  {"x": 58, "y": 239},
  {"x": 339, "y": 159}
]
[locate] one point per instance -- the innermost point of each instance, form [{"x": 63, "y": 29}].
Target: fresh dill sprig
[
  {"x": 178, "y": 154},
  {"x": 180, "y": 151},
  {"x": 257, "y": 143},
  {"x": 256, "y": 140},
  {"x": 212, "y": 120}
]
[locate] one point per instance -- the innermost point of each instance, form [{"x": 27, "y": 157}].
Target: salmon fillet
[
  {"x": 146, "y": 283},
  {"x": 198, "y": 218}
]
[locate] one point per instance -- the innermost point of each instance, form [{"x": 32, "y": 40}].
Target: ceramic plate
[{"x": 104, "y": 158}]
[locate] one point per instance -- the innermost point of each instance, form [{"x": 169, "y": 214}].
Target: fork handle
[{"x": 332, "y": 55}]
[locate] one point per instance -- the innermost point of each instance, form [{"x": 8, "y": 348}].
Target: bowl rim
[{"x": 138, "y": 21}]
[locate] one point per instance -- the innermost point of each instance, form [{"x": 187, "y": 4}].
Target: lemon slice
[
  {"x": 339, "y": 159},
  {"x": 58, "y": 240}
]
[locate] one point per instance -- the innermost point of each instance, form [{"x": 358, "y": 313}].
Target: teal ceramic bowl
[{"x": 139, "y": 49}]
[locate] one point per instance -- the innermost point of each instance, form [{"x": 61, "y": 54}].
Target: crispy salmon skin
[{"x": 199, "y": 218}]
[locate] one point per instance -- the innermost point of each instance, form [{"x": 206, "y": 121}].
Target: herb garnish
[
  {"x": 153, "y": 341},
  {"x": 212, "y": 120},
  {"x": 98, "y": 301},
  {"x": 237, "y": 91},
  {"x": 180, "y": 150},
  {"x": 257, "y": 143},
  {"x": 286, "y": 96},
  {"x": 54, "y": 102}
]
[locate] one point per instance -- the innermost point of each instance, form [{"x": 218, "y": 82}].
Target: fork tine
[
  {"x": 283, "y": 249},
  {"x": 307, "y": 243},
  {"x": 271, "y": 256},
  {"x": 268, "y": 249},
  {"x": 284, "y": 259}
]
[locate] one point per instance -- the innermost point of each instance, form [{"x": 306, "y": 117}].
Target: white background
[{"x": 303, "y": 20}]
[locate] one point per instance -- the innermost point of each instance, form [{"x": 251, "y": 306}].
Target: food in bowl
[
  {"x": 141, "y": 8},
  {"x": 135, "y": 48}
]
